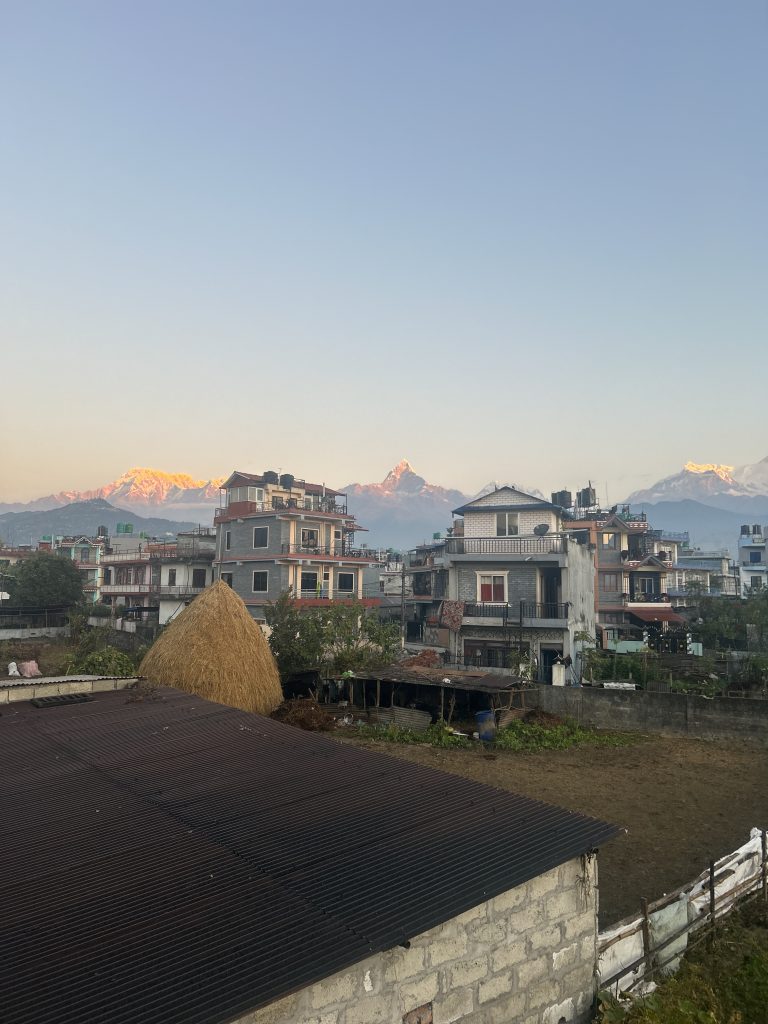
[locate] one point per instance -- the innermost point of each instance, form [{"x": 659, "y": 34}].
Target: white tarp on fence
[{"x": 621, "y": 954}]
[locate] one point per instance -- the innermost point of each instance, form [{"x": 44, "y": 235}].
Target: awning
[{"x": 656, "y": 615}]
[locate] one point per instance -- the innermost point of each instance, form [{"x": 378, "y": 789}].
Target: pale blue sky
[{"x": 523, "y": 241}]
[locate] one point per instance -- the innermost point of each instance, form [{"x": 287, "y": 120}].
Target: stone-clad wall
[{"x": 525, "y": 957}]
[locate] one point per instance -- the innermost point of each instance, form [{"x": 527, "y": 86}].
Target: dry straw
[{"x": 215, "y": 650}]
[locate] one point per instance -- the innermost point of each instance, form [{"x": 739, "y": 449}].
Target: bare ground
[{"x": 682, "y": 802}]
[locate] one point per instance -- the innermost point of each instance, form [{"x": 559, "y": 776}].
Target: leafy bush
[
  {"x": 99, "y": 611},
  {"x": 531, "y": 736},
  {"x": 106, "y": 662},
  {"x": 438, "y": 735}
]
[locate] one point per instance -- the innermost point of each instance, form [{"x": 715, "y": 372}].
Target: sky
[{"x": 505, "y": 240}]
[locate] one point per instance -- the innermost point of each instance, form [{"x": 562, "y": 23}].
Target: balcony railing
[
  {"x": 126, "y": 588},
  {"x": 640, "y": 598},
  {"x": 554, "y": 545},
  {"x": 180, "y": 592},
  {"x": 512, "y": 612},
  {"x": 322, "y": 506},
  {"x": 325, "y": 551}
]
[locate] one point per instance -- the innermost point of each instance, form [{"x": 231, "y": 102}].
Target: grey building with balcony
[
  {"x": 276, "y": 533},
  {"x": 152, "y": 582},
  {"x": 753, "y": 561},
  {"x": 510, "y": 589}
]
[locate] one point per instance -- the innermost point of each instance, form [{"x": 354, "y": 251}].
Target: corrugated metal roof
[{"x": 171, "y": 860}]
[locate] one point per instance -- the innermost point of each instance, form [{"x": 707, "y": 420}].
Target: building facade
[
  {"x": 86, "y": 553},
  {"x": 752, "y": 561},
  {"x": 510, "y": 589},
  {"x": 633, "y": 567},
  {"x": 277, "y": 534},
  {"x": 153, "y": 582}
]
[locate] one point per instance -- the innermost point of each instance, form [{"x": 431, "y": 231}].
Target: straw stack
[{"x": 214, "y": 649}]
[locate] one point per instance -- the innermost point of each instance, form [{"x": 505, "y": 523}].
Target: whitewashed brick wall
[{"x": 526, "y": 957}]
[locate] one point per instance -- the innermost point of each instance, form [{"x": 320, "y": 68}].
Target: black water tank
[
  {"x": 286, "y": 480},
  {"x": 271, "y": 477}
]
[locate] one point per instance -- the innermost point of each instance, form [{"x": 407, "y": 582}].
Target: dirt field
[{"x": 682, "y": 801}]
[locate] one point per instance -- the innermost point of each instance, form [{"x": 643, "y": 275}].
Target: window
[
  {"x": 346, "y": 582},
  {"x": 261, "y": 581},
  {"x": 198, "y": 577},
  {"x": 261, "y": 536},
  {"x": 755, "y": 556},
  {"x": 309, "y": 583},
  {"x": 228, "y": 539},
  {"x": 337, "y": 534},
  {"x": 610, "y": 581},
  {"x": 608, "y": 540},
  {"x": 506, "y": 524},
  {"x": 492, "y": 588},
  {"x": 756, "y": 583},
  {"x": 226, "y": 577},
  {"x": 171, "y": 577},
  {"x": 310, "y": 538}
]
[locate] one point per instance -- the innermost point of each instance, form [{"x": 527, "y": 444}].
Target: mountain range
[
  {"x": 709, "y": 501},
  {"x": 81, "y": 518}
]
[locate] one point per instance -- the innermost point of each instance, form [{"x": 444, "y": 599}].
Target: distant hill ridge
[{"x": 84, "y": 518}]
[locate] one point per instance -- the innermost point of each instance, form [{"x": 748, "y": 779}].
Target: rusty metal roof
[{"x": 171, "y": 861}]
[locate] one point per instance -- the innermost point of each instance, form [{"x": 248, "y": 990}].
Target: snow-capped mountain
[
  {"x": 143, "y": 490},
  {"x": 403, "y": 509},
  {"x": 739, "y": 488}
]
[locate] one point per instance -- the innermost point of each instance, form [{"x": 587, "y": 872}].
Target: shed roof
[{"x": 172, "y": 860}]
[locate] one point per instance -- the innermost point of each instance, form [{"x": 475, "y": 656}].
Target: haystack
[{"x": 214, "y": 649}]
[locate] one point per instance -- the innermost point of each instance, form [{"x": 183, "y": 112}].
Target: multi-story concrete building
[
  {"x": 701, "y": 573},
  {"x": 512, "y": 588},
  {"x": 633, "y": 564},
  {"x": 753, "y": 564},
  {"x": 278, "y": 534},
  {"x": 86, "y": 553},
  {"x": 154, "y": 581}
]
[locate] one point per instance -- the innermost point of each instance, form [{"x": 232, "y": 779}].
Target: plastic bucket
[{"x": 486, "y": 724}]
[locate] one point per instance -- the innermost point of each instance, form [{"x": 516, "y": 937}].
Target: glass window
[
  {"x": 492, "y": 588},
  {"x": 309, "y": 582},
  {"x": 226, "y": 577},
  {"x": 261, "y": 536},
  {"x": 228, "y": 539},
  {"x": 310, "y": 538},
  {"x": 608, "y": 540},
  {"x": 506, "y": 524},
  {"x": 610, "y": 581},
  {"x": 260, "y": 582},
  {"x": 171, "y": 577},
  {"x": 198, "y": 577},
  {"x": 346, "y": 582}
]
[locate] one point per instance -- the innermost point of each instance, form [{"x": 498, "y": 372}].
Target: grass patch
[
  {"x": 532, "y": 736},
  {"x": 438, "y": 735},
  {"x": 725, "y": 983},
  {"x": 519, "y": 736}
]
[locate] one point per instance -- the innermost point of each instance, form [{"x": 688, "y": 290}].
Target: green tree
[
  {"x": 339, "y": 638},
  {"x": 356, "y": 640},
  {"x": 46, "y": 581},
  {"x": 296, "y": 639}
]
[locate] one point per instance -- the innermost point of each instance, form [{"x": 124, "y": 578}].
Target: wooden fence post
[{"x": 646, "y": 928}]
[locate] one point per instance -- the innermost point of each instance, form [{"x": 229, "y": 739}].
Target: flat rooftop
[{"x": 166, "y": 859}]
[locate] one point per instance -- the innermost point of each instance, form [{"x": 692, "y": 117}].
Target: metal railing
[
  {"x": 554, "y": 545},
  {"x": 512, "y": 612},
  {"x": 324, "y": 506},
  {"x": 640, "y": 598},
  {"x": 326, "y": 551}
]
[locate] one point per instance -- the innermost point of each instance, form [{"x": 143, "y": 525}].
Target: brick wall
[{"x": 525, "y": 957}]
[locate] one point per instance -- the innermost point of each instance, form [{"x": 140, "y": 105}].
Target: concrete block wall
[
  {"x": 525, "y": 957},
  {"x": 521, "y": 580},
  {"x": 675, "y": 714}
]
